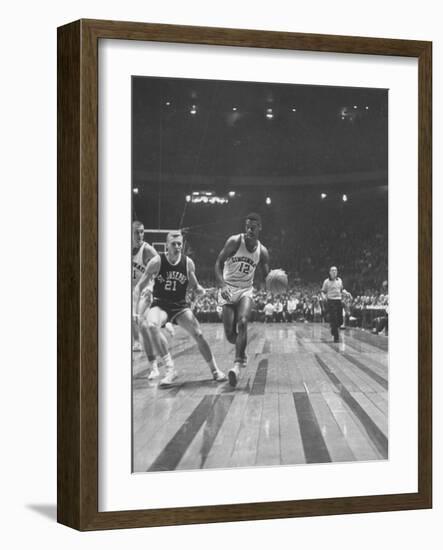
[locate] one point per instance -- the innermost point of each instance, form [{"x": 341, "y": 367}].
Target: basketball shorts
[
  {"x": 236, "y": 295},
  {"x": 172, "y": 310}
]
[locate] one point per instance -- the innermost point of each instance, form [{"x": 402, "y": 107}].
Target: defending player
[
  {"x": 142, "y": 252},
  {"x": 173, "y": 273},
  {"x": 234, "y": 271}
]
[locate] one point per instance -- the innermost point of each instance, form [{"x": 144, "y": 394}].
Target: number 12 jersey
[{"x": 239, "y": 269}]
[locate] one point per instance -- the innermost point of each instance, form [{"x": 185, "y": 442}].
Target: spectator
[
  {"x": 269, "y": 312},
  {"x": 292, "y": 307},
  {"x": 278, "y": 311}
]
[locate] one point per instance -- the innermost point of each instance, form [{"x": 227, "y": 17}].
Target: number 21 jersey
[
  {"x": 239, "y": 269},
  {"x": 171, "y": 283}
]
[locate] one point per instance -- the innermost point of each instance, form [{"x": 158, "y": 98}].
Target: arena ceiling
[{"x": 224, "y": 135}]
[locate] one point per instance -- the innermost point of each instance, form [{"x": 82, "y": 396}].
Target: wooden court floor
[{"x": 300, "y": 399}]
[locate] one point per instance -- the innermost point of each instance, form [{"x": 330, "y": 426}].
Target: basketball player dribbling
[
  {"x": 234, "y": 272},
  {"x": 173, "y": 273}
]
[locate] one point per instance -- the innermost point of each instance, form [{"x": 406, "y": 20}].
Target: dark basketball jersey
[{"x": 171, "y": 282}]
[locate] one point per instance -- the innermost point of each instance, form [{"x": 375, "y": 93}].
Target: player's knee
[
  {"x": 152, "y": 326},
  {"x": 198, "y": 334},
  {"x": 231, "y": 337},
  {"x": 242, "y": 322}
]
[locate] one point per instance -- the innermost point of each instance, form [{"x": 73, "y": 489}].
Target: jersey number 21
[{"x": 170, "y": 285}]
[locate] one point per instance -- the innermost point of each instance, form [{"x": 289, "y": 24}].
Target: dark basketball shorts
[{"x": 172, "y": 310}]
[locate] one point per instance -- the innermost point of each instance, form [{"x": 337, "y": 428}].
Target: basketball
[{"x": 277, "y": 281}]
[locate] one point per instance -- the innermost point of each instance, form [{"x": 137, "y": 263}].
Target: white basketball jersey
[
  {"x": 239, "y": 269},
  {"x": 138, "y": 267}
]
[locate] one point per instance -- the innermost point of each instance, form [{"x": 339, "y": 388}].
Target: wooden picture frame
[{"x": 77, "y": 456}]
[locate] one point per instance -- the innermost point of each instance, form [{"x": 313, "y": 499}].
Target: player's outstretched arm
[
  {"x": 230, "y": 248},
  {"x": 264, "y": 262},
  {"x": 152, "y": 270},
  {"x": 193, "y": 278}
]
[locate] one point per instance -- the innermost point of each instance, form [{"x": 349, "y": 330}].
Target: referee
[{"x": 332, "y": 291}]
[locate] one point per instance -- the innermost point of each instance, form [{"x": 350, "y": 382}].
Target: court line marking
[
  {"x": 374, "y": 432},
  {"x": 174, "y": 450},
  {"x": 379, "y": 379},
  {"x": 314, "y": 445}
]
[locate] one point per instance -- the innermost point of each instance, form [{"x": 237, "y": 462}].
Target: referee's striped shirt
[{"x": 333, "y": 288}]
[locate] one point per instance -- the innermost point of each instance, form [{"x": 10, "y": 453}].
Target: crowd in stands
[
  {"x": 360, "y": 250},
  {"x": 301, "y": 303}
]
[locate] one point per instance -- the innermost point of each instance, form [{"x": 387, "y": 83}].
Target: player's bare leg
[
  {"x": 145, "y": 337},
  {"x": 244, "y": 309},
  {"x": 145, "y": 303},
  {"x": 156, "y": 318},
  {"x": 229, "y": 316},
  {"x": 149, "y": 349},
  {"x": 135, "y": 337},
  {"x": 190, "y": 324}
]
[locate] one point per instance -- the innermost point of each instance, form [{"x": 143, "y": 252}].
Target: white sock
[
  {"x": 212, "y": 364},
  {"x": 167, "y": 361},
  {"x": 153, "y": 363}
]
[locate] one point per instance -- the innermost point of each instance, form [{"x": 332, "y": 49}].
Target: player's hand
[
  {"x": 200, "y": 291},
  {"x": 146, "y": 295},
  {"x": 225, "y": 293}
]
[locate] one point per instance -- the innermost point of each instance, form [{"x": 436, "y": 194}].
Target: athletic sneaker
[
  {"x": 170, "y": 329},
  {"x": 233, "y": 374},
  {"x": 154, "y": 373},
  {"x": 169, "y": 377},
  {"x": 218, "y": 375}
]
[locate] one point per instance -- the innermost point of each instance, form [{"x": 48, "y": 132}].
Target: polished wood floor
[{"x": 300, "y": 399}]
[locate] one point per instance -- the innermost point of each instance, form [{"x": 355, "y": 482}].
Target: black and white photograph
[{"x": 260, "y": 297}]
